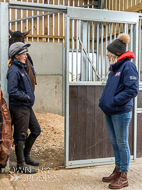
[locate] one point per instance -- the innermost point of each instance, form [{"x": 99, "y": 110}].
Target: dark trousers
[{"x": 23, "y": 119}]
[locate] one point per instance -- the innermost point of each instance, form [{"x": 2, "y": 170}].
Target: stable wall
[{"x": 47, "y": 59}]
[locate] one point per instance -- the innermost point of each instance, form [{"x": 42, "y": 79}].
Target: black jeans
[{"x": 23, "y": 119}]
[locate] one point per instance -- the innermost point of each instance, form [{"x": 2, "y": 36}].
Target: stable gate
[
  {"x": 88, "y": 32},
  {"x": 87, "y": 142}
]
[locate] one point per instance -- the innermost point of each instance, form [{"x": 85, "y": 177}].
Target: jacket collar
[
  {"x": 121, "y": 60},
  {"x": 127, "y": 55},
  {"x": 19, "y": 63}
]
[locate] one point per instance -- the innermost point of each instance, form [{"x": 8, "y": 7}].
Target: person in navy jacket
[
  {"x": 22, "y": 99},
  {"x": 117, "y": 102}
]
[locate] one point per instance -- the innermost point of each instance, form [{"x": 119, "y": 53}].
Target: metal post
[
  {"x": 63, "y": 80},
  {"x": 139, "y": 64},
  {"x": 106, "y": 59},
  {"x": 119, "y": 28},
  {"x": 4, "y": 55},
  {"x": 84, "y": 40},
  {"x": 101, "y": 50},
  {"x": 88, "y": 66},
  {"x": 4, "y": 44},
  {"x": 66, "y": 136},
  {"x": 72, "y": 41},
  {"x": 110, "y": 32},
  {"x": 131, "y": 36},
  {"x": 135, "y": 49},
  {"x": 92, "y": 49},
  {"x": 114, "y": 31},
  {"x": 77, "y": 47},
  {"x": 97, "y": 48}
]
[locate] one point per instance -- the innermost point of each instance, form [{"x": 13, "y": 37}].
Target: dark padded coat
[
  {"x": 121, "y": 87},
  {"x": 20, "y": 88}
]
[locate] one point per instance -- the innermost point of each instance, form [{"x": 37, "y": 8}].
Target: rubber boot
[
  {"x": 28, "y": 145},
  {"x": 122, "y": 181},
  {"x": 115, "y": 174},
  {"x": 22, "y": 167}
]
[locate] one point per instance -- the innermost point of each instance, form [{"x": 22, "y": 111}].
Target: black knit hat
[{"x": 118, "y": 46}]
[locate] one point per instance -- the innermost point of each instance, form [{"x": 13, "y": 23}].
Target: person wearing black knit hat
[{"x": 117, "y": 102}]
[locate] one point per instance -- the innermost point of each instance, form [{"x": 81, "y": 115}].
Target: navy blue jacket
[
  {"x": 121, "y": 87},
  {"x": 19, "y": 85}
]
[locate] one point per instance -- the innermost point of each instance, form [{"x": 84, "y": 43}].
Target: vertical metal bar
[
  {"x": 66, "y": 134},
  {"x": 139, "y": 64},
  {"x": 131, "y": 35},
  {"x": 84, "y": 40},
  {"x": 106, "y": 60},
  {"x": 135, "y": 128},
  {"x": 79, "y": 35},
  {"x": 126, "y": 31},
  {"x": 101, "y": 50},
  {"x": 63, "y": 81},
  {"x": 135, "y": 43},
  {"x": 114, "y": 31},
  {"x": 81, "y": 55},
  {"x": 4, "y": 44},
  {"x": 92, "y": 49},
  {"x": 135, "y": 50},
  {"x": 97, "y": 48},
  {"x": 72, "y": 66},
  {"x": 119, "y": 29},
  {"x": 110, "y": 32},
  {"x": 124, "y": 28},
  {"x": 77, "y": 47},
  {"x": 88, "y": 66}
]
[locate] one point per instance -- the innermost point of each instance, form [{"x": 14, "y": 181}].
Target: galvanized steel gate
[
  {"x": 86, "y": 139},
  {"x": 87, "y": 142}
]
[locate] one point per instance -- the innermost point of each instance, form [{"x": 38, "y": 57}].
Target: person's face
[
  {"x": 22, "y": 57},
  {"x": 108, "y": 54}
]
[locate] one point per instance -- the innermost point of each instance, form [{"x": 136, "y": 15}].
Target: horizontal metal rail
[
  {"x": 102, "y": 15},
  {"x": 35, "y": 16},
  {"x": 37, "y": 7}
]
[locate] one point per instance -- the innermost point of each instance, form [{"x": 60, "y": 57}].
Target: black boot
[
  {"x": 22, "y": 167},
  {"x": 28, "y": 145}
]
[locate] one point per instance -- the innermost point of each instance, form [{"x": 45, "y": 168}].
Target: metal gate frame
[
  {"x": 99, "y": 16},
  {"x": 4, "y": 37},
  {"x": 72, "y": 13}
]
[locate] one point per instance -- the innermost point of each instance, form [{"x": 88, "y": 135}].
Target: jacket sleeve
[
  {"x": 13, "y": 89},
  {"x": 130, "y": 80}
]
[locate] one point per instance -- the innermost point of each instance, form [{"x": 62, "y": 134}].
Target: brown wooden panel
[
  {"x": 73, "y": 134},
  {"x": 90, "y": 118},
  {"x": 102, "y": 144},
  {"x": 88, "y": 136},
  {"x": 82, "y": 108},
  {"x": 139, "y": 135},
  {"x": 139, "y": 99},
  {"x": 131, "y": 134}
]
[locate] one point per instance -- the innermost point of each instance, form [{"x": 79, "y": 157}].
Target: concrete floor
[{"x": 88, "y": 178}]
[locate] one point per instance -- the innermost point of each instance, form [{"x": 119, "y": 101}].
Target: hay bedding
[{"x": 52, "y": 132}]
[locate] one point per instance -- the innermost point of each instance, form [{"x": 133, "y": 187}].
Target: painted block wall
[{"x": 47, "y": 59}]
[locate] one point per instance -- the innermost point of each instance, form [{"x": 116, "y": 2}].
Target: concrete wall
[{"x": 47, "y": 59}]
